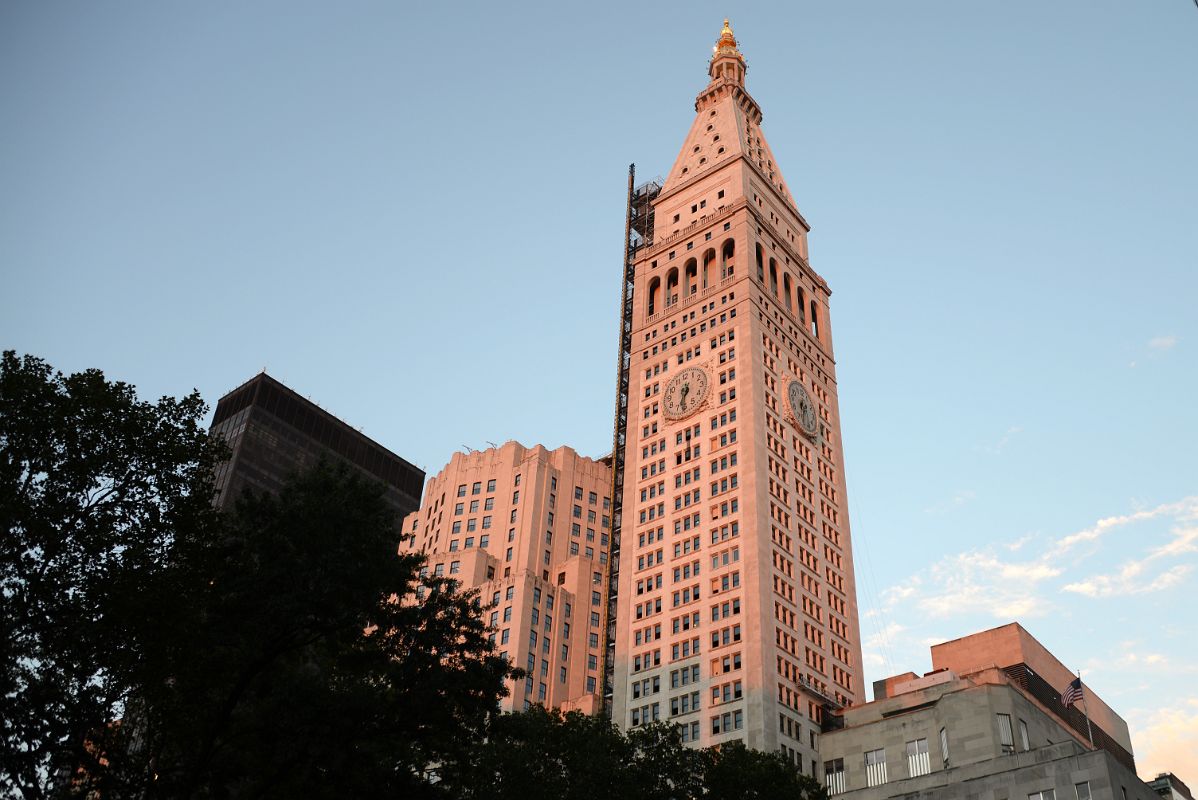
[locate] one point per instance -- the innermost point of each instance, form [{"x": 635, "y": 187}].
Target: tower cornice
[{"x": 720, "y": 88}]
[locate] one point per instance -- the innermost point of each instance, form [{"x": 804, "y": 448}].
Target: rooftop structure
[
  {"x": 273, "y": 432},
  {"x": 984, "y": 723}
]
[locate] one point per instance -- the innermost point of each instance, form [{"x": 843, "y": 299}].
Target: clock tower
[{"x": 736, "y": 609}]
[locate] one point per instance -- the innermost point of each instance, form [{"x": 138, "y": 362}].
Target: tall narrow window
[
  {"x": 944, "y": 745},
  {"x": 1006, "y": 737},
  {"x": 917, "y": 758},
  {"x": 1082, "y": 790},
  {"x": 875, "y": 767},
  {"x": 834, "y": 775},
  {"x": 1023, "y": 737}
]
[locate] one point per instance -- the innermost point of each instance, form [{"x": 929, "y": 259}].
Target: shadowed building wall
[{"x": 273, "y": 433}]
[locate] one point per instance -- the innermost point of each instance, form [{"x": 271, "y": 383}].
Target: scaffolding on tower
[{"x": 638, "y": 233}]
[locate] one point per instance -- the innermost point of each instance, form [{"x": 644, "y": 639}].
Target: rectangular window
[
  {"x": 834, "y": 775},
  {"x": 1082, "y": 790},
  {"x": 1023, "y": 737},
  {"x": 875, "y": 767},
  {"x": 917, "y": 758},
  {"x": 1045, "y": 794},
  {"x": 1006, "y": 736},
  {"x": 944, "y": 745}
]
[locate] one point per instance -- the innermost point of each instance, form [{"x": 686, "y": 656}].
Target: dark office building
[{"x": 273, "y": 433}]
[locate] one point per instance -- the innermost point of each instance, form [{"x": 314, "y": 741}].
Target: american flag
[{"x": 1072, "y": 693}]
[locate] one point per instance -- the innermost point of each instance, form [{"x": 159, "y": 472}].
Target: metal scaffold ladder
[{"x": 638, "y": 233}]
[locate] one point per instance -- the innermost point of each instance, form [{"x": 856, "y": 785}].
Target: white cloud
[
  {"x": 1003, "y": 441},
  {"x": 1019, "y": 543},
  {"x": 882, "y": 637},
  {"x": 1134, "y": 578},
  {"x": 986, "y": 581},
  {"x": 1162, "y": 343},
  {"x": 978, "y": 581},
  {"x": 1166, "y": 740},
  {"x": 1185, "y": 509}
]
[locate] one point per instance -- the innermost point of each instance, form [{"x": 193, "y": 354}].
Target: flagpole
[{"x": 1085, "y": 709}]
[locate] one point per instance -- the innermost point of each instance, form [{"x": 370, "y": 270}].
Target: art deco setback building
[
  {"x": 736, "y": 611},
  {"x": 273, "y": 432},
  {"x": 987, "y": 724},
  {"x": 530, "y": 529}
]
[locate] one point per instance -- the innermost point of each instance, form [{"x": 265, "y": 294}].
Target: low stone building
[{"x": 981, "y": 731}]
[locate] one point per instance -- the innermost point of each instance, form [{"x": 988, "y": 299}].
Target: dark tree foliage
[
  {"x": 95, "y": 485},
  {"x": 295, "y": 670},
  {"x": 734, "y": 772},
  {"x": 155, "y": 648},
  {"x": 544, "y": 755}
]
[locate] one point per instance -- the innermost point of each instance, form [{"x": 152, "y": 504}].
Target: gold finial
[{"x": 727, "y": 42}]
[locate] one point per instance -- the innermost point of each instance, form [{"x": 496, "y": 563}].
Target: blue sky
[{"x": 414, "y": 216}]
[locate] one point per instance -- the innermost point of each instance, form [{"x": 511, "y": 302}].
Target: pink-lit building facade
[
  {"x": 530, "y": 529},
  {"x": 737, "y": 612}
]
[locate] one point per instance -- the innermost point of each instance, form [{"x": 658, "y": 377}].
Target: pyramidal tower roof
[{"x": 727, "y": 125}]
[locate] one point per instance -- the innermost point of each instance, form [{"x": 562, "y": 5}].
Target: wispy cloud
[
  {"x": 977, "y": 581},
  {"x": 1019, "y": 543},
  {"x": 994, "y": 582},
  {"x": 1186, "y": 509},
  {"x": 1134, "y": 576},
  {"x": 1162, "y": 343},
  {"x": 959, "y": 499},
  {"x": 1000, "y": 445}
]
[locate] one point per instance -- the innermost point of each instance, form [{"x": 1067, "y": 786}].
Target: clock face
[
  {"x": 802, "y": 408},
  {"x": 685, "y": 392}
]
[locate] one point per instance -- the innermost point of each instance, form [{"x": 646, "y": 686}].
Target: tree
[
  {"x": 546, "y": 754},
  {"x": 301, "y": 665},
  {"x": 95, "y": 485},
  {"x": 154, "y": 647},
  {"x": 734, "y": 772}
]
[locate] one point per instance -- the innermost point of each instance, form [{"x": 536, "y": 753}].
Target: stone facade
[
  {"x": 988, "y": 731},
  {"x": 737, "y": 610},
  {"x": 529, "y": 529}
]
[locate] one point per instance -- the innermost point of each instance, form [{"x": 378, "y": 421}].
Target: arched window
[
  {"x": 654, "y": 296},
  {"x": 727, "y": 267},
  {"x": 786, "y": 292},
  {"x": 690, "y": 277},
  {"x": 708, "y": 260},
  {"x": 671, "y": 287},
  {"x": 774, "y": 277},
  {"x": 814, "y": 321},
  {"x": 760, "y": 267},
  {"x": 802, "y": 302}
]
